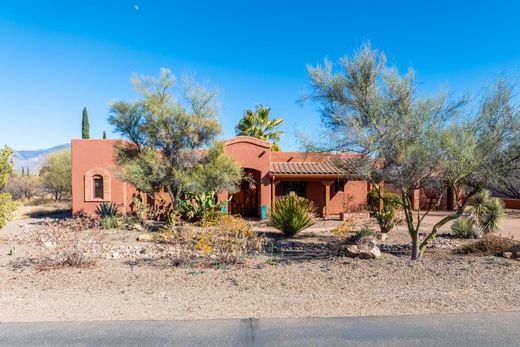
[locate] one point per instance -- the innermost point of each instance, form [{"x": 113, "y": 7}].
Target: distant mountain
[{"x": 34, "y": 159}]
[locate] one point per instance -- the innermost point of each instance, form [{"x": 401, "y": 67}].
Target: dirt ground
[{"x": 300, "y": 277}]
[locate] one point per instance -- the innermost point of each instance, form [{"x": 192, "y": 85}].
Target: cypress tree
[
  {"x": 104, "y": 135},
  {"x": 28, "y": 174},
  {"x": 85, "y": 127},
  {"x": 23, "y": 171}
]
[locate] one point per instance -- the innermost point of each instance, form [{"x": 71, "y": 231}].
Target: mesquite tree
[
  {"x": 172, "y": 143},
  {"x": 413, "y": 141}
]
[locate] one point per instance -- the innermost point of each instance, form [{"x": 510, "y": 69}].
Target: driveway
[{"x": 481, "y": 329}]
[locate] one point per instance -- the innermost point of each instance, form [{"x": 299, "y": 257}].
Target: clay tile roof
[{"x": 304, "y": 168}]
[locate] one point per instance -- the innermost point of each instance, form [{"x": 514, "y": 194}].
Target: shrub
[
  {"x": 202, "y": 208},
  {"x": 390, "y": 200},
  {"x": 228, "y": 241},
  {"x": 106, "y": 209},
  {"x": 110, "y": 222},
  {"x": 344, "y": 229},
  {"x": 488, "y": 245},
  {"x": 385, "y": 219},
  {"x": 483, "y": 218},
  {"x": 463, "y": 227},
  {"x": 7, "y": 208},
  {"x": 68, "y": 242},
  {"x": 364, "y": 232},
  {"x": 293, "y": 214}
]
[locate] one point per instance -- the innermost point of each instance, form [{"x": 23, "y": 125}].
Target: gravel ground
[{"x": 130, "y": 288}]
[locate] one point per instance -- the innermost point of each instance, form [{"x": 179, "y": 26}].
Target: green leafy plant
[
  {"x": 110, "y": 222},
  {"x": 202, "y": 208},
  {"x": 107, "y": 209},
  {"x": 390, "y": 200},
  {"x": 364, "y": 232},
  {"x": 462, "y": 227},
  {"x": 292, "y": 214},
  {"x": 385, "y": 219}
]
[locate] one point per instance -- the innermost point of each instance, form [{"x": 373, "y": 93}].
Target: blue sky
[{"x": 58, "y": 56}]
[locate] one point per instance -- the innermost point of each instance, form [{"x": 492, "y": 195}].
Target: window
[
  {"x": 339, "y": 185},
  {"x": 98, "y": 187},
  {"x": 299, "y": 187}
]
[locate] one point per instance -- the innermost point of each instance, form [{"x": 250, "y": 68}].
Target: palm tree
[{"x": 257, "y": 124}]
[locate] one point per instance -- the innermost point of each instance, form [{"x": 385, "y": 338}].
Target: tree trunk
[{"x": 416, "y": 253}]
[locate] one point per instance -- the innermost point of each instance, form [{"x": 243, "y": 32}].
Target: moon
[{"x": 136, "y": 7}]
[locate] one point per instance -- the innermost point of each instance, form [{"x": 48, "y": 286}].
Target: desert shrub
[
  {"x": 110, "y": 222},
  {"x": 228, "y": 241},
  {"x": 25, "y": 187},
  {"x": 488, "y": 245},
  {"x": 484, "y": 217},
  {"x": 364, "y": 232},
  {"x": 385, "y": 219},
  {"x": 344, "y": 229},
  {"x": 292, "y": 214},
  {"x": 202, "y": 208},
  {"x": 72, "y": 242},
  {"x": 462, "y": 227},
  {"x": 106, "y": 209},
  {"x": 390, "y": 200},
  {"x": 7, "y": 208}
]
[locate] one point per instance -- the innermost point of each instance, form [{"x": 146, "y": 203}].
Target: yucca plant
[
  {"x": 292, "y": 214},
  {"x": 106, "y": 209},
  {"x": 110, "y": 222}
]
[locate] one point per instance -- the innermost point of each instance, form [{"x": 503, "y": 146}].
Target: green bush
[
  {"x": 202, "y": 208},
  {"x": 462, "y": 227},
  {"x": 110, "y": 222},
  {"x": 106, "y": 209},
  {"x": 385, "y": 219},
  {"x": 364, "y": 232},
  {"x": 292, "y": 214},
  {"x": 390, "y": 200},
  {"x": 7, "y": 208}
]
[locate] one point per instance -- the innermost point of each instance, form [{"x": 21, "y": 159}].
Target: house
[{"x": 96, "y": 178}]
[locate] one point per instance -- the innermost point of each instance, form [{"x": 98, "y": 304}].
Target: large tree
[
  {"x": 257, "y": 124},
  {"x": 413, "y": 141},
  {"x": 85, "y": 126},
  {"x": 171, "y": 142},
  {"x": 7, "y": 206},
  {"x": 56, "y": 174}
]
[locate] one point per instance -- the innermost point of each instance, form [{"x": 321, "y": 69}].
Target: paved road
[{"x": 482, "y": 329}]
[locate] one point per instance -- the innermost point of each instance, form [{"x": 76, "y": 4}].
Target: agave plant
[
  {"x": 106, "y": 209},
  {"x": 293, "y": 214}
]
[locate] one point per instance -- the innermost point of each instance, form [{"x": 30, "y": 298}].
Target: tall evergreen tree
[
  {"x": 23, "y": 171},
  {"x": 104, "y": 135},
  {"x": 27, "y": 172},
  {"x": 85, "y": 127}
]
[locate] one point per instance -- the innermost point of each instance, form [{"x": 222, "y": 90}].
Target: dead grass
[{"x": 487, "y": 246}]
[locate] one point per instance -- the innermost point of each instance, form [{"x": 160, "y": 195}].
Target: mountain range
[{"x": 33, "y": 159}]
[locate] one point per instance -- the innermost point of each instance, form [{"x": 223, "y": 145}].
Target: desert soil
[{"x": 306, "y": 281}]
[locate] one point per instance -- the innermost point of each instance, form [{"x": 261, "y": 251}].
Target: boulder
[
  {"x": 515, "y": 251},
  {"x": 368, "y": 252},
  {"x": 507, "y": 255},
  {"x": 369, "y": 241},
  {"x": 351, "y": 251},
  {"x": 382, "y": 236}
]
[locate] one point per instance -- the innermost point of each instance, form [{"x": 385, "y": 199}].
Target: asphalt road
[{"x": 482, "y": 329}]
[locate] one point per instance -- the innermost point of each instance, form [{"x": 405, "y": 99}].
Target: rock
[
  {"x": 351, "y": 251},
  {"x": 367, "y": 252},
  {"x": 145, "y": 238},
  {"x": 507, "y": 255},
  {"x": 382, "y": 236},
  {"x": 369, "y": 241},
  {"x": 515, "y": 251}
]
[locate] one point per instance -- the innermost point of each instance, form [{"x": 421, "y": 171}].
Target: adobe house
[{"x": 271, "y": 174}]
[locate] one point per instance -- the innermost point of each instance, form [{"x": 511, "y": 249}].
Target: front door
[{"x": 245, "y": 201}]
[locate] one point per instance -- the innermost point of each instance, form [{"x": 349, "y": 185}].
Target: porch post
[
  {"x": 327, "y": 185},
  {"x": 381, "y": 189},
  {"x": 273, "y": 192}
]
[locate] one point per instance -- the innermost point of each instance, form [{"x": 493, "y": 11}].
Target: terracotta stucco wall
[{"x": 87, "y": 157}]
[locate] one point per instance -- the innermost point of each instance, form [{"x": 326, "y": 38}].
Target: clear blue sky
[{"x": 58, "y": 56}]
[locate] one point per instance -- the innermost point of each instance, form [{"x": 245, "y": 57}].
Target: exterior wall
[
  {"x": 255, "y": 154},
  {"x": 512, "y": 203},
  {"x": 96, "y": 157}
]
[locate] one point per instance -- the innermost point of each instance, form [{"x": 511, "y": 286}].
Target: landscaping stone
[
  {"x": 515, "y": 251},
  {"x": 382, "y": 236},
  {"x": 145, "y": 238},
  {"x": 367, "y": 252},
  {"x": 369, "y": 241},
  {"x": 507, "y": 255},
  {"x": 351, "y": 251}
]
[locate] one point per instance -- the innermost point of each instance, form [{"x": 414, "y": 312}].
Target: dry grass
[{"x": 487, "y": 246}]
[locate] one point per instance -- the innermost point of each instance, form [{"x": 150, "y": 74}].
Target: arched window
[{"x": 98, "y": 187}]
